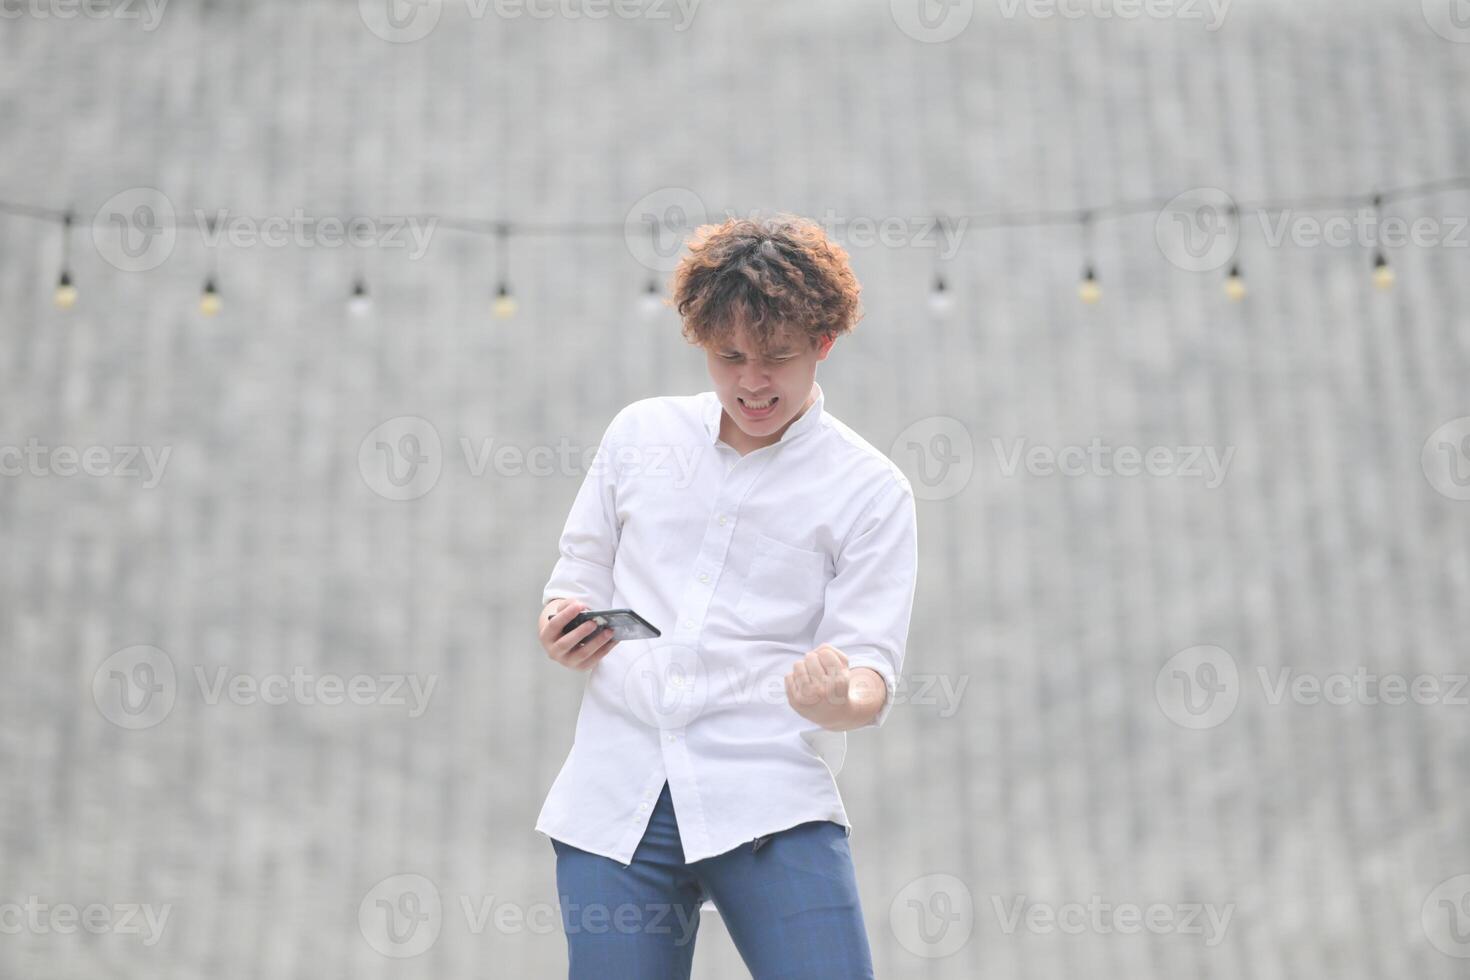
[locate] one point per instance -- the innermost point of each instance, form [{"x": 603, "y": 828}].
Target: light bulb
[
  {"x": 941, "y": 301},
  {"x": 360, "y": 303},
  {"x": 1383, "y": 275},
  {"x": 66, "y": 294},
  {"x": 651, "y": 302},
  {"x": 1235, "y": 284},
  {"x": 209, "y": 302},
  {"x": 1088, "y": 290},
  {"x": 505, "y": 303}
]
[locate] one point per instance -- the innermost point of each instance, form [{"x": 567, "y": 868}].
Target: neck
[{"x": 735, "y": 437}]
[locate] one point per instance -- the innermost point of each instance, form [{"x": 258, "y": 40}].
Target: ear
[{"x": 825, "y": 346}]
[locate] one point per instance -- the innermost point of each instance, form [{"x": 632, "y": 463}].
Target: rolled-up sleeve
[
  {"x": 870, "y": 598},
  {"x": 584, "y": 567}
]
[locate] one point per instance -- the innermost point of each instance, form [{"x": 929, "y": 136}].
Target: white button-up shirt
[{"x": 745, "y": 563}]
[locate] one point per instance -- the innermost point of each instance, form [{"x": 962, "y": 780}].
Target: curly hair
[{"x": 773, "y": 275}]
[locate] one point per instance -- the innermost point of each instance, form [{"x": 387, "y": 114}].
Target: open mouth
[{"x": 757, "y": 410}]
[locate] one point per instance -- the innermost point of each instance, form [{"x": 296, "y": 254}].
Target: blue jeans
[{"x": 789, "y": 900}]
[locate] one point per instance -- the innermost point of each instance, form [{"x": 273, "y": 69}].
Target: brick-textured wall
[{"x": 1059, "y": 773}]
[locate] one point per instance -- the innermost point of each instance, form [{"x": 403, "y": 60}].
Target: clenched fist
[{"x": 824, "y": 690}]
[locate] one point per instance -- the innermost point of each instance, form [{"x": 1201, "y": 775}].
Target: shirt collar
[{"x": 806, "y": 422}]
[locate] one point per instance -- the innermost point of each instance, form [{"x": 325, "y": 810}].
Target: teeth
[{"x": 757, "y": 406}]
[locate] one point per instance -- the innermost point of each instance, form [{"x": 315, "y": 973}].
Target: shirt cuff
[{"x": 872, "y": 657}]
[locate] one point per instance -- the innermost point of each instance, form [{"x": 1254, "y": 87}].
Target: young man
[{"x": 776, "y": 550}]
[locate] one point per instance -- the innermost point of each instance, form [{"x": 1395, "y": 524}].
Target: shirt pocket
[{"x": 784, "y": 591}]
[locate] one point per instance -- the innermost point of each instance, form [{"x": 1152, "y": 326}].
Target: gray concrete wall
[{"x": 1061, "y": 771}]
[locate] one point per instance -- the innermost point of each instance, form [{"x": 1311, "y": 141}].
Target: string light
[
  {"x": 1383, "y": 275},
  {"x": 504, "y": 306},
  {"x": 1235, "y": 284},
  {"x": 652, "y": 303},
  {"x": 1234, "y": 281},
  {"x": 65, "y": 296},
  {"x": 940, "y": 299},
  {"x": 359, "y": 303},
  {"x": 940, "y": 295},
  {"x": 209, "y": 301},
  {"x": 1088, "y": 289}
]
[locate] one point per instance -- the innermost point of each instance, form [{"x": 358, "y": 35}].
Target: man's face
[{"x": 779, "y": 377}]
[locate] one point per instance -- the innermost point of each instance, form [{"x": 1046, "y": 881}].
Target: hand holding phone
[
  {"x": 580, "y": 645},
  {"x": 624, "y": 623}
]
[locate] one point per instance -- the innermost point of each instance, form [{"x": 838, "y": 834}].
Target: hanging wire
[{"x": 1089, "y": 289}]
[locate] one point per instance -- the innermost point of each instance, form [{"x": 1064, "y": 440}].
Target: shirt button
[
  {"x": 643, "y": 806},
  {"x": 673, "y": 738},
  {"x": 688, "y": 625},
  {"x": 722, "y": 518},
  {"x": 703, "y": 576}
]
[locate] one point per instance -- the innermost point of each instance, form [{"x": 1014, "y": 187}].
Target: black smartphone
[{"x": 625, "y": 623}]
